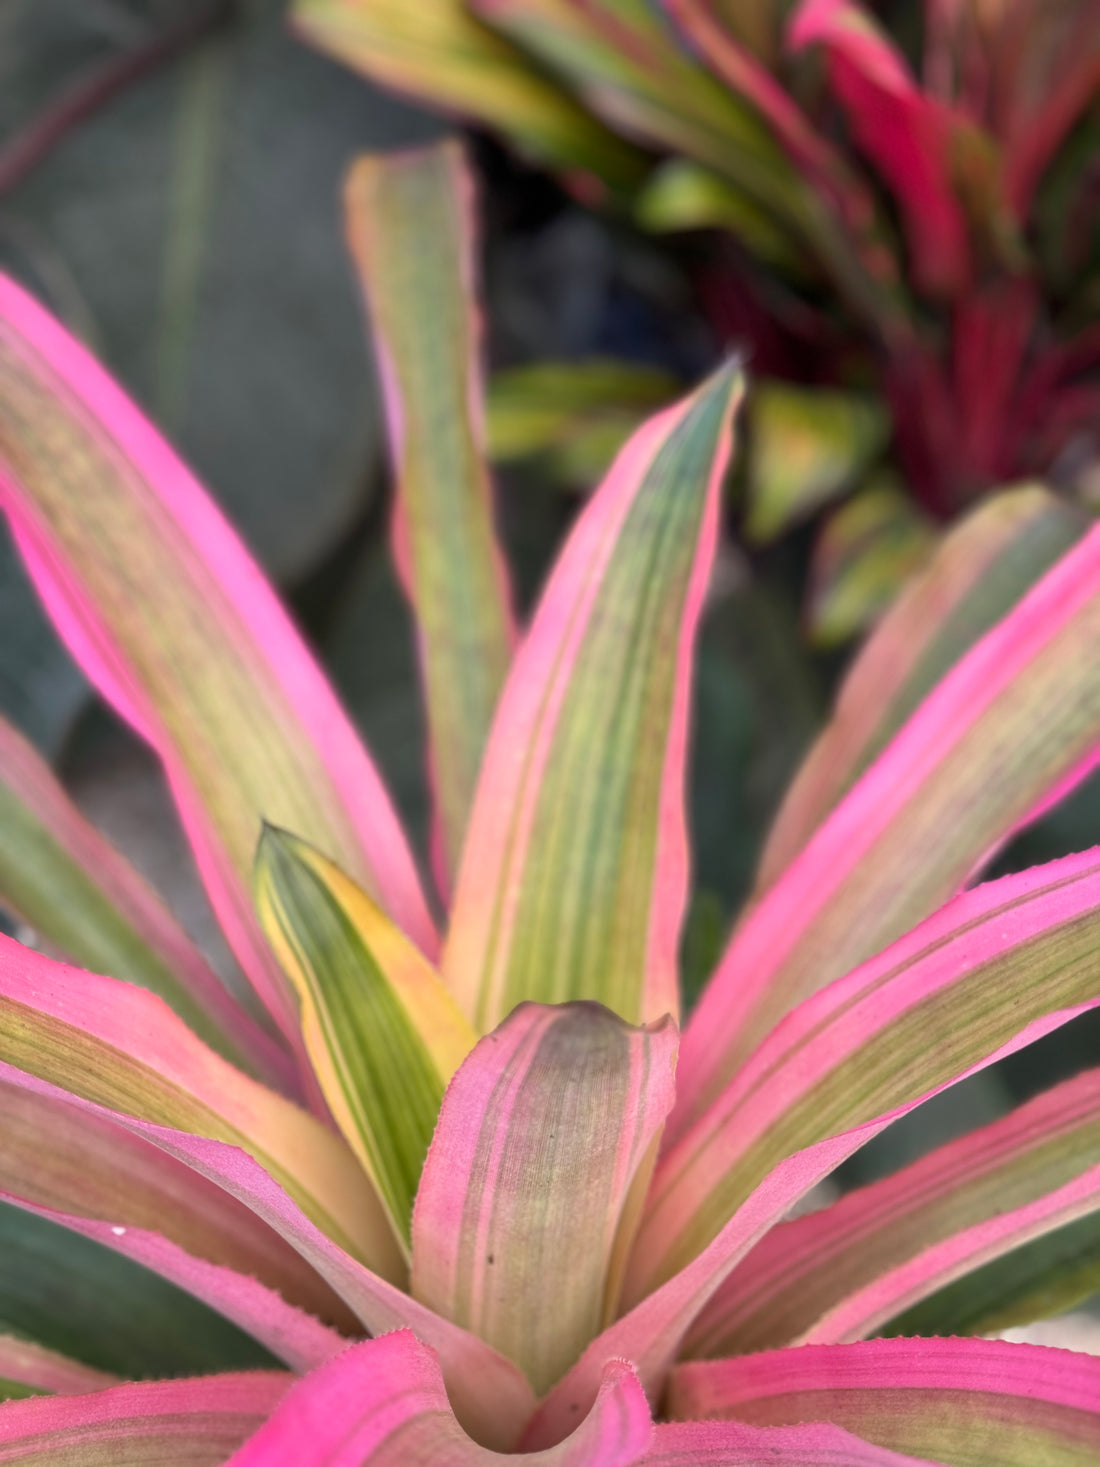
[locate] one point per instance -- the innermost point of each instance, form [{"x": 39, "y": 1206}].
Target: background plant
[{"x": 911, "y": 200}]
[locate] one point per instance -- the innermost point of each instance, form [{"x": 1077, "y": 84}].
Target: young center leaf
[{"x": 381, "y": 1030}]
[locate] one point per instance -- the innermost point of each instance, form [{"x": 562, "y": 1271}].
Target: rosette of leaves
[{"x": 476, "y": 1185}]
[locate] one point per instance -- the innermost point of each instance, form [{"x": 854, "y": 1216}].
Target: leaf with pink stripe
[
  {"x": 982, "y": 567},
  {"x": 30, "y": 1369},
  {"x": 968, "y": 1402},
  {"x": 1013, "y": 725},
  {"x": 112, "y": 1044},
  {"x": 197, "y": 1422},
  {"x": 735, "y": 1444},
  {"x": 62, "y": 878},
  {"x": 993, "y": 971},
  {"x": 574, "y": 875},
  {"x": 211, "y": 671},
  {"x": 383, "y": 1404},
  {"x": 411, "y": 228},
  {"x": 842, "y": 1273},
  {"x": 535, "y": 1175}
]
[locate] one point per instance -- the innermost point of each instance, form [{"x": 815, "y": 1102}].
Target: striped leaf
[
  {"x": 118, "y": 1047},
  {"x": 63, "y": 879},
  {"x": 842, "y": 1273},
  {"x": 971, "y": 1403},
  {"x": 981, "y": 569},
  {"x": 574, "y": 874},
  {"x": 211, "y": 672},
  {"x": 1014, "y": 725},
  {"x": 44, "y": 1372},
  {"x": 532, "y": 1186},
  {"x": 382, "y": 1032},
  {"x": 994, "y": 970},
  {"x": 195, "y": 1422},
  {"x": 412, "y": 235}
]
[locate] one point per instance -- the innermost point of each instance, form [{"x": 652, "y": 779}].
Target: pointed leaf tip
[{"x": 574, "y": 874}]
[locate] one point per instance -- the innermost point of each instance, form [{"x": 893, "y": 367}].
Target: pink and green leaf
[
  {"x": 211, "y": 672},
  {"x": 117, "y": 1046},
  {"x": 735, "y": 1444},
  {"x": 535, "y": 1176},
  {"x": 574, "y": 876},
  {"x": 412, "y": 236},
  {"x": 197, "y": 1422},
  {"x": 65, "y": 1158},
  {"x": 440, "y": 53},
  {"x": 1013, "y": 725},
  {"x": 73, "y": 888},
  {"x": 993, "y": 971},
  {"x": 843, "y": 1273},
  {"x": 966, "y": 1402},
  {"x": 27, "y": 1369},
  {"x": 977, "y": 574},
  {"x": 906, "y": 134},
  {"x": 383, "y": 1404},
  {"x": 382, "y": 1032},
  {"x": 1037, "y": 1281}
]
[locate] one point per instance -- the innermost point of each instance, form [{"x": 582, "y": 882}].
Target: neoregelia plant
[{"x": 479, "y": 1148}]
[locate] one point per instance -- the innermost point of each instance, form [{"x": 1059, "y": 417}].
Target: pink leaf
[
  {"x": 383, "y": 1404},
  {"x": 195, "y": 1421},
  {"x": 842, "y": 1273},
  {"x": 965, "y": 1401},
  {"x": 733, "y": 1444}
]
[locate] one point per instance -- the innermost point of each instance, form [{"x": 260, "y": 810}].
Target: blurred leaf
[
  {"x": 864, "y": 554},
  {"x": 41, "y": 689},
  {"x": 190, "y": 225},
  {"x": 438, "y": 51},
  {"x": 72, "y": 1295},
  {"x": 572, "y": 416},
  {"x": 701, "y": 944},
  {"x": 807, "y": 445},
  {"x": 682, "y": 195}
]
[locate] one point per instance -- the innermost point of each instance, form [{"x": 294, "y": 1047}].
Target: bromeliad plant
[
  {"x": 483, "y": 1152},
  {"x": 928, "y": 224}
]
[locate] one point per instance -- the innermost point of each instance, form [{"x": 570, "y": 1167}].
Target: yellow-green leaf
[{"x": 383, "y": 1033}]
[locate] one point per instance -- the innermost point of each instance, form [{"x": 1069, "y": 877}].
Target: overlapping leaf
[
  {"x": 62, "y": 878},
  {"x": 967, "y": 1402},
  {"x": 843, "y": 1273},
  {"x": 211, "y": 671},
  {"x": 1013, "y": 725},
  {"x": 383, "y": 1033}
]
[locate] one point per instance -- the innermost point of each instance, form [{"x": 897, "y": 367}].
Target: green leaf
[
  {"x": 72, "y": 1295},
  {"x": 864, "y": 555},
  {"x": 806, "y": 446},
  {"x": 382, "y": 1032}
]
